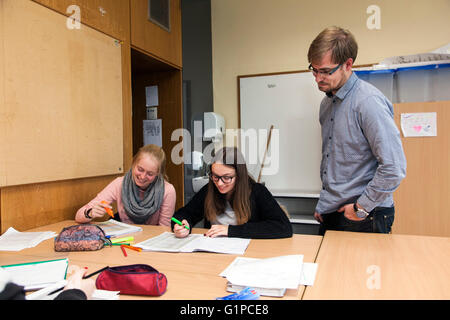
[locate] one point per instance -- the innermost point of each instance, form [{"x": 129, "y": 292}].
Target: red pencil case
[{"x": 136, "y": 279}]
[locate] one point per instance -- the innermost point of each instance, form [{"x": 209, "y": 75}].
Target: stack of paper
[
  {"x": 13, "y": 240},
  {"x": 271, "y": 276},
  {"x": 194, "y": 242},
  {"x": 115, "y": 228}
]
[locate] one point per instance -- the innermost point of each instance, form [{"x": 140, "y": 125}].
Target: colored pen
[
  {"x": 132, "y": 248},
  {"x": 94, "y": 273},
  {"x": 116, "y": 244},
  {"x": 126, "y": 239},
  {"x": 123, "y": 250},
  {"x": 179, "y": 222},
  {"x": 108, "y": 210}
]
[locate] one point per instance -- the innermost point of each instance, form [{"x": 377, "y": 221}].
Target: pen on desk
[
  {"x": 126, "y": 239},
  {"x": 123, "y": 250},
  {"x": 179, "y": 222},
  {"x": 94, "y": 273},
  {"x": 131, "y": 247},
  {"x": 108, "y": 210},
  {"x": 116, "y": 244}
]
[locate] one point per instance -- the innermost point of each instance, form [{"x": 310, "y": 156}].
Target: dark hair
[
  {"x": 341, "y": 42},
  {"x": 215, "y": 202}
]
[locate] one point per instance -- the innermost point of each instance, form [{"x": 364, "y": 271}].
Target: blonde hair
[
  {"x": 157, "y": 153},
  {"x": 341, "y": 42}
]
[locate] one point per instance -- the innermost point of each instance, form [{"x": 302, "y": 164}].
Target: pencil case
[
  {"x": 136, "y": 279},
  {"x": 85, "y": 237}
]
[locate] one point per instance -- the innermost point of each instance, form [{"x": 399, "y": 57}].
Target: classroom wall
[{"x": 261, "y": 36}]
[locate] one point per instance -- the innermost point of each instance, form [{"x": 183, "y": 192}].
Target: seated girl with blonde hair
[{"x": 143, "y": 195}]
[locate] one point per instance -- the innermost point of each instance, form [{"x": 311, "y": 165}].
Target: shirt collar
[{"x": 345, "y": 89}]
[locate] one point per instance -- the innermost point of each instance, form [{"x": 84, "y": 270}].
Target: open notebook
[
  {"x": 39, "y": 274},
  {"x": 194, "y": 242}
]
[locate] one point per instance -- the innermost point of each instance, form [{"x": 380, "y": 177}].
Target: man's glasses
[
  {"x": 225, "y": 179},
  {"x": 324, "y": 73}
]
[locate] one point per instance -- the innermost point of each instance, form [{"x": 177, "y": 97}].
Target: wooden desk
[
  {"x": 190, "y": 275},
  {"x": 410, "y": 267}
]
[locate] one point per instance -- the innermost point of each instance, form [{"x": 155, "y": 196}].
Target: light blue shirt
[{"x": 362, "y": 154}]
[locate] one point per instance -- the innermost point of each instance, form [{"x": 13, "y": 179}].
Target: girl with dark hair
[{"x": 232, "y": 204}]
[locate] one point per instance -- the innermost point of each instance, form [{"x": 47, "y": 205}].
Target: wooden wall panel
[
  {"x": 62, "y": 96},
  {"x": 422, "y": 201},
  {"x": 109, "y": 16},
  {"x": 29, "y": 206},
  {"x": 153, "y": 39}
]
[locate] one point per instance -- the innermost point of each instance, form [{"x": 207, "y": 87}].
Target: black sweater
[{"x": 267, "y": 220}]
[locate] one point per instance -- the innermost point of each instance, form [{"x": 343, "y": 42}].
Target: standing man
[{"x": 362, "y": 155}]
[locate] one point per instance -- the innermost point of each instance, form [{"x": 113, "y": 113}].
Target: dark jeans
[{"x": 379, "y": 220}]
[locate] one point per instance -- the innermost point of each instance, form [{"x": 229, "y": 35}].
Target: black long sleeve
[{"x": 267, "y": 220}]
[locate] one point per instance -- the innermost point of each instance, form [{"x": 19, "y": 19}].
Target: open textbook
[{"x": 194, "y": 242}]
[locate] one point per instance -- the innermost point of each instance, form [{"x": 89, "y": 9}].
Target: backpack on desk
[{"x": 86, "y": 237}]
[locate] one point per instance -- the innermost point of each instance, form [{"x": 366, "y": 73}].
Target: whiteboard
[{"x": 290, "y": 102}]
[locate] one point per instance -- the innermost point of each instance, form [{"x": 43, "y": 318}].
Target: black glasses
[
  {"x": 225, "y": 179},
  {"x": 324, "y": 73}
]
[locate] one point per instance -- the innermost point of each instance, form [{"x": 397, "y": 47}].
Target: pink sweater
[{"x": 113, "y": 192}]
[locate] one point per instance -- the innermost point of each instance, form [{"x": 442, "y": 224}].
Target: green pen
[{"x": 178, "y": 222}]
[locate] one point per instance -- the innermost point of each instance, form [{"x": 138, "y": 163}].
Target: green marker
[{"x": 178, "y": 222}]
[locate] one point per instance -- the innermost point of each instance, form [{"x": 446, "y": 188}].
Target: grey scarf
[{"x": 139, "y": 210}]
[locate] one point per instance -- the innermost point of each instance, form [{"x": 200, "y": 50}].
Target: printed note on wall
[{"x": 419, "y": 124}]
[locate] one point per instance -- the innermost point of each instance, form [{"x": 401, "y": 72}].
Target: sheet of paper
[
  {"x": 115, "y": 228},
  {"x": 152, "y": 132},
  {"x": 419, "y": 124},
  {"x": 277, "y": 272},
  {"x": 308, "y": 276},
  {"x": 39, "y": 274},
  {"x": 13, "y": 240},
  {"x": 194, "y": 242},
  {"x": 151, "y": 96}
]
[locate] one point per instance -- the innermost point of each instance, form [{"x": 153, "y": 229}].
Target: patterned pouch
[{"x": 85, "y": 237}]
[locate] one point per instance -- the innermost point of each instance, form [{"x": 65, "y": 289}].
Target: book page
[
  {"x": 167, "y": 242},
  {"x": 36, "y": 275}
]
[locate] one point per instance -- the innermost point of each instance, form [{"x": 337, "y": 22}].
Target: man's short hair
[{"x": 341, "y": 42}]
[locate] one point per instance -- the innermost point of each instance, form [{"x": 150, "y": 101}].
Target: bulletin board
[
  {"x": 60, "y": 98},
  {"x": 290, "y": 102}
]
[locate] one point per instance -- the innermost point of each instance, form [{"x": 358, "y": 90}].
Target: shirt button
[
  {"x": 329, "y": 138},
  {"x": 331, "y": 119}
]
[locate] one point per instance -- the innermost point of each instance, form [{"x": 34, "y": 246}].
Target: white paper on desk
[
  {"x": 271, "y": 273},
  {"x": 166, "y": 241},
  {"x": 194, "y": 242},
  {"x": 39, "y": 274},
  {"x": 13, "y": 240},
  {"x": 115, "y": 228},
  {"x": 153, "y": 132},
  {"x": 419, "y": 124},
  {"x": 309, "y": 271}
]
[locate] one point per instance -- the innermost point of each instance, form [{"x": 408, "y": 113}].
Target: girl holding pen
[
  {"x": 143, "y": 195},
  {"x": 232, "y": 204}
]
